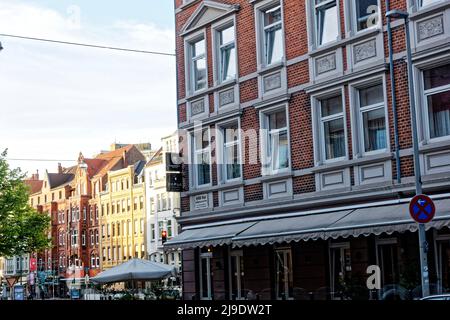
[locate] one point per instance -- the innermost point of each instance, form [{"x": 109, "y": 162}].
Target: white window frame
[
  {"x": 189, "y": 42},
  {"x": 420, "y": 7},
  {"x": 319, "y": 142},
  {"x": 193, "y": 156},
  {"x": 354, "y": 16},
  {"x": 221, "y": 149},
  {"x": 423, "y": 96},
  {"x": 357, "y": 115},
  {"x": 261, "y": 35},
  {"x": 313, "y": 25},
  {"x": 266, "y": 165},
  {"x": 217, "y": 56}
]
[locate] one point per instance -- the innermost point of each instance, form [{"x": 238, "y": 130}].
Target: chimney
[
  {"x": 35, "y": 176},
  {"x": 124, "y": 158},
  {"x": 60, "y": 169}
]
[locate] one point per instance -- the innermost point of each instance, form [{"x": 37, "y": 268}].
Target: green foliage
[{"x": 22, "y": 228}]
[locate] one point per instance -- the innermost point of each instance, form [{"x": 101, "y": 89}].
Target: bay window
[
  {"x": 276, "y": 144},
  {"x": 201, "y": 157},
  {"x": 372, "y": 118},
  {"x": 273, "y": 34},
  {"x": 436, "y": 83},
  {"x": 327, "y": 23},
  {"x": 332, "y": 128},
  {"x": 367, "y": 14},
  {"x": 227, "y": 54},
  {"x": 198, "y": 65}
]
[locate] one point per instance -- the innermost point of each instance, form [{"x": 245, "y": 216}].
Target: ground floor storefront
[
  {"x": 318, "y": 270},
  {"x": 361, "y": 252}
]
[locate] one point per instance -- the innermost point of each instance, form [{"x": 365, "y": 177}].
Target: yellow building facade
[{"x": 122, "y": 218}]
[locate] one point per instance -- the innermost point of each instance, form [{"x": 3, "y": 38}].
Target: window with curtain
[
  {"x": 332, "y": 123},
  {"x": 373, "y": 118},
  {"x": 273, "y": 34},
  {"x": 437, "y": 99},
  {"x": 277, "y": 147},
  {"x": 227, "y": 54},
  {"x": 201, "y": 157},
  {"x": 231, "y": 152},
  {"x": 198, "y": 65},
  {"x": 327, "y": 25},
  {"x": 367, "y": 13}
]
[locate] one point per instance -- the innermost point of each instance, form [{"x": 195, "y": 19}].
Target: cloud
[{"x": 57, "y": 100}]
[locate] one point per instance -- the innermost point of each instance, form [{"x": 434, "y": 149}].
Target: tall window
[
  {"x": 83, "y": 238},
  {"x": 201, "y": 158},
  {"x": 273, "y": 34},
  {"x": 437, "y": 100},
  {"x": 231, "y": 152},
  {"x": 332, "y": 128},
  {"x": 152, "y": 231},
  {"x": 74, "y": 238},
  {"x": 367, "y": 14},
  {"x": 277, "y": 146},
  {"x": 327, "y": 25},
  {"x": 198, "y": 65},
  {"x": 283, "y": 276},
  {"x": 92, "y": 237},
  {"x": 169, "y": 228},
  {"x": 227, "y": 54},
  {"x": 372, "y": 117}
]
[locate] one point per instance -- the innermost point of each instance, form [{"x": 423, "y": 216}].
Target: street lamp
[{"x": 399, "y": 14}]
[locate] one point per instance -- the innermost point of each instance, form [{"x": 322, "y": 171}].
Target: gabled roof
[
  {"x": 206, "y": 13},
  {"x": 58, "y": 179},
  {"x": 111, "y": 158},
  {"x": 35, "y": 185}
]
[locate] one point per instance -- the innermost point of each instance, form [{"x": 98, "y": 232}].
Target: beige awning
[
  {"x": 364, "y": 221},
  {"x": 207, "y": 236},
  {"x": 302, "y": 226}
]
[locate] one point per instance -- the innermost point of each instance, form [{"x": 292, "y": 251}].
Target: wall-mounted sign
[
  {"x": 173, "y": 162},
  {"x": 174, "y": 182}
]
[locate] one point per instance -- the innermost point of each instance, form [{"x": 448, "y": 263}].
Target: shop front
[{"x": 358, "y": 253}]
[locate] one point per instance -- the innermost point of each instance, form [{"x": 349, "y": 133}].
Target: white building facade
[{"x": 162, "y": 207}]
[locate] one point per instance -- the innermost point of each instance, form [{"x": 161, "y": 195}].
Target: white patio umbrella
[{"x": 135, "y": 270}]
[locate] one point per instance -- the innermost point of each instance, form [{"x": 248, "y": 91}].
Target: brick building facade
[
  {"x": 71, "y": 197},
  {"x": 289, "y": 135}
]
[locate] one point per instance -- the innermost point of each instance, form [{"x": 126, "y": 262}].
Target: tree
[{"x": 22, "y": 229}]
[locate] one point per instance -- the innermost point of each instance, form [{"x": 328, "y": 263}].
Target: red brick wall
[{"x": 296, "y": 45}]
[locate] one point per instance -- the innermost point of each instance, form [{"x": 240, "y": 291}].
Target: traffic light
[{"x": 164, "y": 236}]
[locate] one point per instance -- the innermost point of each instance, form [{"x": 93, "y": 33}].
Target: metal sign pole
[{"x": 423, "y": 245}]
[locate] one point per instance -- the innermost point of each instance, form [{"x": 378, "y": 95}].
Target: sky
[{"x": 59, "y": 100}]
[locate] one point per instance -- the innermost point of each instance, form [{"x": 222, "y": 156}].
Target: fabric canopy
[
  {"x": 207, "y": 236},
  {"x": 364, "y": 221},
  {"x": 297, "y": 226},
  {"x": 135, "y": 269}
]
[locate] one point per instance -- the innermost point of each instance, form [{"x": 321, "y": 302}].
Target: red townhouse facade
[
  {"x": 70, "y": 197},
  {"x": 298, "y": 154}
]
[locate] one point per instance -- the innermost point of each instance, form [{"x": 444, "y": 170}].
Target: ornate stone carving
[
  {"x": 365, "y": 50},
  {"x": 197, "y": 107},
  {"x": 272, "y": 82},
  {"x": 226, "y": 97},
  {"x": 430, "y": 28},
  {"x": 326, "y": 64}
]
